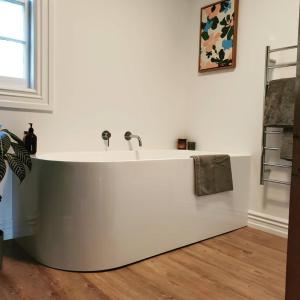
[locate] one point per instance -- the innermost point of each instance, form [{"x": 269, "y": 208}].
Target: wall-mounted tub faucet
[
  {"x": 106, "y": 135},
  {"x": 128, "y": 136}
]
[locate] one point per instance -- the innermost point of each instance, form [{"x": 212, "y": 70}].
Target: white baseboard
[{"x": 268, "y": 223}]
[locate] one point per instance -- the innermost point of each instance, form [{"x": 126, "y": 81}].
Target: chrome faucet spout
[
  {"x": 139, "y": 140},
  {"x": 128, "y": 136}
]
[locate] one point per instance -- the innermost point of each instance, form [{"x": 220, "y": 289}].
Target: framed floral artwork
[{"x": 218, "y": 35}]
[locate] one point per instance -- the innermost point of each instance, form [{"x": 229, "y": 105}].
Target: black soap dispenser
[{"x": 30, "y": 140}]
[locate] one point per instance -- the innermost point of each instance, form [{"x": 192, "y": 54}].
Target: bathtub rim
[{"x": 53, "y": 156}]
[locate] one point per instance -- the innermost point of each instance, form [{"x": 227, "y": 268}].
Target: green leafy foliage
[
  {"x": 204, "y": 35},
  {"x": 22, "y": 153},
  {"x": 224, "y": 5},
  {"x": 225, "y": 30},
  {"x": 13, "y": 136},
  {"x": 223, "y": 22},
  {"x": 209, "y": 54},
  {"x": 13, "y": 153},
  {"x": 230, "y": 33},
  {"x": 4, "y": 143},
  {"x": 215, "y": 23},
  {"x": 16, "y": 166},
  {"x": 221, "y": 54},
  {"x": 2, "y": 169}
]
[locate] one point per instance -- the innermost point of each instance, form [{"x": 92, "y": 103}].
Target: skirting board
[{"x": 268, "y": 223}]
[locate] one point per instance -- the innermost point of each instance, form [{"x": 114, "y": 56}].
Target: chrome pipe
[
  {"x": 264, "y": 138},
  {"x": 272, "y": 148},
  {"x": 283, "y": 49},
  {"x": 128, "y": 136},
  {"x": 277, "y": 165},
  {"x": 273, "y": 132},
  {"x": 282, "y": 66},
  {"x": 277, "y": 181}
]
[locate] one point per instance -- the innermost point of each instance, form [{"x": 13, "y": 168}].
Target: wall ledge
[{"x": 268, "y": 223}]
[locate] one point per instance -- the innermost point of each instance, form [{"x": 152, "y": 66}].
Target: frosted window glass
[
  {"x": 12, "y": 59},
  {"x": 12, "y": 20}
]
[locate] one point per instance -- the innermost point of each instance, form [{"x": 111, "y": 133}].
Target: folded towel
[
  {"x": 212, "y": 174},
  {"x": 279, "y": 111}
]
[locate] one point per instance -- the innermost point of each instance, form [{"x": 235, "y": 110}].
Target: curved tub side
[{"x": 100, "y": 216}]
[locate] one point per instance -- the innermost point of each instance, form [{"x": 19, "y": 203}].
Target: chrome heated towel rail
[{"x": 267, "y": 132}]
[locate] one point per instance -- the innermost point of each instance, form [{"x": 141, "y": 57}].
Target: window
[
  {"x": 24, "y": 54},
  {"x": 16, "y": 43}
]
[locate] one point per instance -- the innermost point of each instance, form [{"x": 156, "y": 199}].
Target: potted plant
[{"x": 14, "y": 155}]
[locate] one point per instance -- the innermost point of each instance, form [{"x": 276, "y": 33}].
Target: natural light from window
[
  {"x": 25, "y": 53},
  {"x": 12, "y": 39}
]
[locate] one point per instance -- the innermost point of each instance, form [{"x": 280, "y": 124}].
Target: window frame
[{"x": 39, "y": 95}]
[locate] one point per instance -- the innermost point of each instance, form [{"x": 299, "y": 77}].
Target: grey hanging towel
[
  {"x": 279, "y": 111},
  {"x": 212, "y": 174},
  {"x": 287, "y": 144},
  {"x": 280, "y": 103}
]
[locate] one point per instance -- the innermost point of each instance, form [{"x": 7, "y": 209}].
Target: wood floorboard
[{"x": 246, "y": 264}]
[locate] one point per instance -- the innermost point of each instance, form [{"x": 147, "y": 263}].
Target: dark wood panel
[{"x": 293, "y": 261}]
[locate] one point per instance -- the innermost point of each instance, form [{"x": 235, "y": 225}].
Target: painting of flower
[{"x": 218, "y": 35}]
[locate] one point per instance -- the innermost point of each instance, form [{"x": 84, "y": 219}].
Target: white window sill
[
  {"x": 28, "y": 99},
  {"x": 18, "y": 102}
]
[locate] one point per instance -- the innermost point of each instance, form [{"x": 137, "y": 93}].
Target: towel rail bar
[
  {"x": 277, "y": 165},
  {"x": 277, "y": 181},
  {"x": 282, "y": 66},
  {"x": 272, "y": 148},
  {"x": 273, "y": 132},
  {"x": 283, "y": 49}
]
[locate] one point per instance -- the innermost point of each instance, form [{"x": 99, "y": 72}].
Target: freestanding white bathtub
[{"x": 101, "y": 210}]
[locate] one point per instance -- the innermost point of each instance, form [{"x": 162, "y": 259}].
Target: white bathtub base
[{"x": 100, "y": 216}]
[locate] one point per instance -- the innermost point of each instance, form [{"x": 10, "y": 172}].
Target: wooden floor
[{"x": 244, "y": 264}]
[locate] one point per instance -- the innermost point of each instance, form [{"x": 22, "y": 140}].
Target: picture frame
[{"x": 218, "y": 36}]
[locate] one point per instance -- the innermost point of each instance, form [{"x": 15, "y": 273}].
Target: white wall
[
  {"x": 132, "y": 65},
  {"x": 226, "y": 108},
  {"x": 119, "y": 65}
]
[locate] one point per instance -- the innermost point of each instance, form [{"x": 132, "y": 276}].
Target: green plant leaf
[
  {"x": 16, "y": 166},
  {"x": 4, "y": 143},
  {"x": 223, "y": 22},
  {"x": 204, "y": 35},
  {"x": 14, "y": 137},
  {"x": 221, "y": 54},
  {"x": 230, "y": 33},
  {"x": 2, "y": 169},
  {"x": 224, "y": 31},
  {"x": 215, "y": 21},
  {"x": 22, "y": 153}
]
